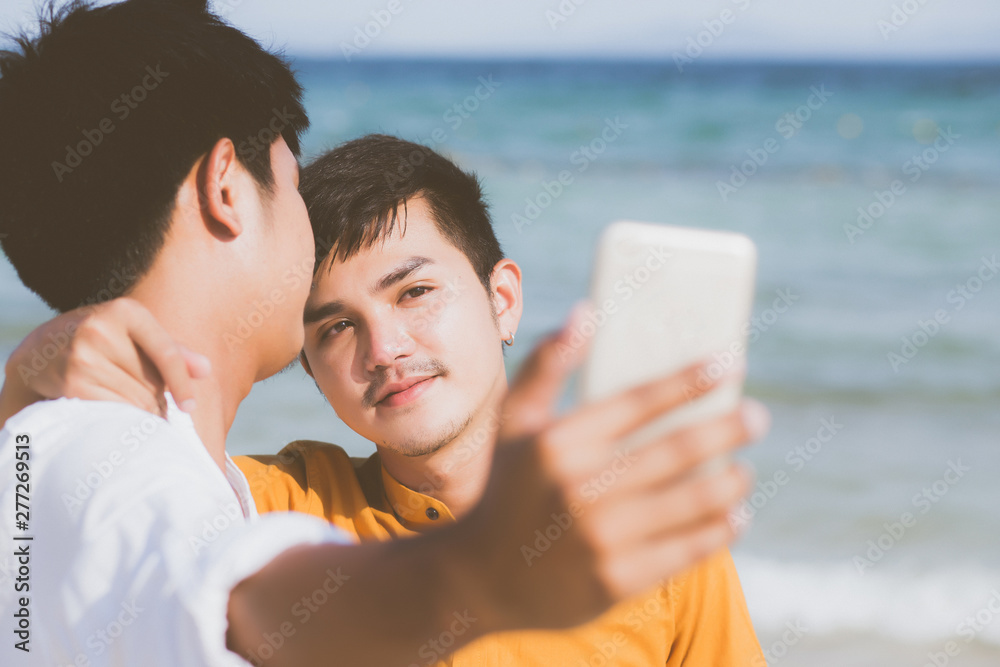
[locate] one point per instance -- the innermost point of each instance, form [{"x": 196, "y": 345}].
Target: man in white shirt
[{"x": 148, "y": 149}]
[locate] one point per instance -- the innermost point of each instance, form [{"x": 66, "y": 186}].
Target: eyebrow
[
  {"x": 335, "y": 307},
  {"x": 399, "y": 274},
  {"x": 327, "y": 310}
]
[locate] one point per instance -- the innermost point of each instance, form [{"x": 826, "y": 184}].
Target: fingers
[
  {"x": 166, "y": 356},
  {"x": 645, "y": 516},
  {"x": 103, "y": 355},
  {"x": 680, "y": 452},
  {"x": 199, "y": 366},
  {"x": 532, "y": 398},
  {"x": 115, "y": 351},
  {"x": 105, "y": 381},
  {"x": 668, "y": 556},
  {"x": 630, "y": 410},
  {"x": 634, "y": 520},
  {"x": 139, "y": 400}
]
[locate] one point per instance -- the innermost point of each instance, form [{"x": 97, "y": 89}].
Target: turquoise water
[{"x": 669, "y": 140}]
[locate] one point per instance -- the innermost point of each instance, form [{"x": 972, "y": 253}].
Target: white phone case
[{"x": 669, "y": 296}]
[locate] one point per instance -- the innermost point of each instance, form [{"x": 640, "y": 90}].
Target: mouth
[{"x": 403, "y": 392}]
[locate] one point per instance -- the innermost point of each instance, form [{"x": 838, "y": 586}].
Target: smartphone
[{"x": 665, "y": 297}]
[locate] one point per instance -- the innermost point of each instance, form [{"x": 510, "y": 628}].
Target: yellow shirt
[{"x": 698, "y": 618}]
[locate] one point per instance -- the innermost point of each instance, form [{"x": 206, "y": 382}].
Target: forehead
[{"x": 416, "y": 233}]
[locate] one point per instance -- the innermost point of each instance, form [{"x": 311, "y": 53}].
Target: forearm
[{"x": 393, "y": 603}]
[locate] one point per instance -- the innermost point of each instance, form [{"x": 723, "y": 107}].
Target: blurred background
[{"x": 856, "y": 142}]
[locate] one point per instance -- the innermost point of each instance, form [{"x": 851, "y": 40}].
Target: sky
[{"x": 712, "y": 29}]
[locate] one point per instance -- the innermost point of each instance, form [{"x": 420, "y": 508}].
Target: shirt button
[{"x": 432, "y": 514}]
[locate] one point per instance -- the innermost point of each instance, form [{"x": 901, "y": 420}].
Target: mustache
[{"x": 428, "y": 367}]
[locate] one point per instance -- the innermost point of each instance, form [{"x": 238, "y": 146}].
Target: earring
[{"x": 509, "y": 341}]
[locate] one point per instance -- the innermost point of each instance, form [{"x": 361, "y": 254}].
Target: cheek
[
  {"x": 464, "y": 332},
  {"x": 340, "y": 390},
  {"x": 436, "y": 318},
  {"x": 324, "y": 375}
]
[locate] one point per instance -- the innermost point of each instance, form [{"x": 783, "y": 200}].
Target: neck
[
  {"x": 457, "y": 473},
  {"x": 197, "y": 323}
]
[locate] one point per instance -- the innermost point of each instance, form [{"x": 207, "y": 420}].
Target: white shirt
[{"x": 137, "y": 538}]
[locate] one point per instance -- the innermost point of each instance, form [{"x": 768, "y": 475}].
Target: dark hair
[
  {"x": 102, "y": 116},
  {"x": 354, "y": 192}
]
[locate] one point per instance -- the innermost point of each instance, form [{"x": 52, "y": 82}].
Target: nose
[{"x": 388, "y": 342}]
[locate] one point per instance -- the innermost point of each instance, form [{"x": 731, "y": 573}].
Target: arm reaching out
[{"x": 653, "y": 521}]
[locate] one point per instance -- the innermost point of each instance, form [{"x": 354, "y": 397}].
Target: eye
[
  {"x": 336, "y": 328},
  {"x": 418, "y": 291}
]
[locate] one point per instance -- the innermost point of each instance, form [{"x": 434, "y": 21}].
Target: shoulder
[
  {"x": 295, "y": 459},
  {"x": 714, "y": 573},
  {"x": 75, "y": 419},
  {"x": 301, "y": 477},
  {"x": 71, "y": 437},
  {"x": 134, "y": 512},
  {"x": 712, "y": 622}
]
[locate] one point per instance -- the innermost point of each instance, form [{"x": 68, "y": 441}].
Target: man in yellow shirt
[{"x": 411, "y": 306}]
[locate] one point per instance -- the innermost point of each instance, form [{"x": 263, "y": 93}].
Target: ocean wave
[
  {"x": 960, "y": 604},
  {"x": 807, "y": 392}
]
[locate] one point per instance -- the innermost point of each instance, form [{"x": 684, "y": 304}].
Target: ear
[
  {"x": 505, "y": 282},
  {"x": 305, "y": 364},
  {"x": 218, "y": 180}
]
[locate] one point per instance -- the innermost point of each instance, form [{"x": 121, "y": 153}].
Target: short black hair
[
  {"x": 103, "y": 114},
  {"x": 353, "y": 194}
]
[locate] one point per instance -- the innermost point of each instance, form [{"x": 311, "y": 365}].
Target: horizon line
[{"x": 759, "y": 59}]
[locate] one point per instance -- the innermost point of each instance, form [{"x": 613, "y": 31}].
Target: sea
[{"x": 872, "y": 192}]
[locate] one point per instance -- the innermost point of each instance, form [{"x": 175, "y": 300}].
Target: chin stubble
[{"x": 419, "y": 447}]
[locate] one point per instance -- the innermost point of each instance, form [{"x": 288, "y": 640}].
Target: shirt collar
[{"x": 415, "y": 510}]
